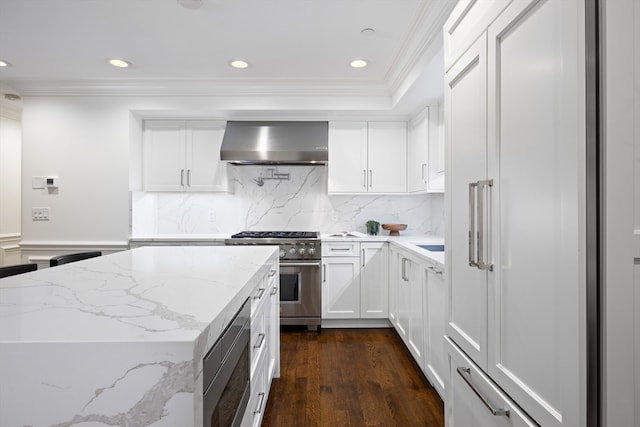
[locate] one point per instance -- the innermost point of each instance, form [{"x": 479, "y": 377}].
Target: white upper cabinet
[
  {"x": 387, "y": 157},
  {"x": 184, "y": 156},
  {"x": 347, "y": 157},
  {"x": 417, "y": 161},
  {"x": 367, "y": 157}
]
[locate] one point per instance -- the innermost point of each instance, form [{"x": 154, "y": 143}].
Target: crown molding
[
  {"x": 202, "y": 88},
  {"x": 425, "y": 35}
]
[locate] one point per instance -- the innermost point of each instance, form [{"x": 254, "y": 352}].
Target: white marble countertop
[{"x": 119, "y": 339}]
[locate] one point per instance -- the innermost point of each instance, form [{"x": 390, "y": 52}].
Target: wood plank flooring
[{"x": 350, "y": 377}]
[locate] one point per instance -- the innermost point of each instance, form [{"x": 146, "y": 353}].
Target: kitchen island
[{"x": 119, "y": 340}]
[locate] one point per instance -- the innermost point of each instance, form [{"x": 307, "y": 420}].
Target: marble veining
[
  {"x": 300, "y": 203},
  {"x": 119, "y": 340}
]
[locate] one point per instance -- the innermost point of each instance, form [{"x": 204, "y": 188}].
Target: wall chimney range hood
[{"x": 273, "y": 142}]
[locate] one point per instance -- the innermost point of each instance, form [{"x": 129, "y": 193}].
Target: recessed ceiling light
[
  {"x": 239, "y": 63},
  {"x": 120, "y": 63},
  {"x": 358, "y": 63},
  {"x": 3, "y": 63}
]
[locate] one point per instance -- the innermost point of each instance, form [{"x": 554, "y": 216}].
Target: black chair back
[
  {"x": 12, "y": 270},
  {"x": 65, "y": 259}
]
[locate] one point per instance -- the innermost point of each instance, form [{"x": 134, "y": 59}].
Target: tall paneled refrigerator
[{"x": 516, "y": 213}]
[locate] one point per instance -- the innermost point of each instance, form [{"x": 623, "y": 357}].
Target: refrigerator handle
[
  {"x": 465, "y": 373},
  {"x": 482, "y": 265},
  {"x": 472, "y": 223}
]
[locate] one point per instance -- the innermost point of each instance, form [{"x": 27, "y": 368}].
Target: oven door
[{"x": 300, "y": 291}]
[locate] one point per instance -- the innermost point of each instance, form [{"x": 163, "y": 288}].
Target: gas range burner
[{"x": 276, "y": 235}]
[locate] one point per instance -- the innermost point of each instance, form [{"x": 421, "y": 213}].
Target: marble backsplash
[{"x": 300, "y": 203}]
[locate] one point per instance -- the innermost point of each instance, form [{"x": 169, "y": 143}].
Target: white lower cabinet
[
  {"x": 355, "y": 280},
  {"x": 264, "y": 346},
  {"x": 474, "y": 400},
  {"x": 411, "y": 306},
  {"x": 435, "y": 326}
]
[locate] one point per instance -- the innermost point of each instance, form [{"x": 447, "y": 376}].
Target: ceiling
[{"x": 185, "y": 46}]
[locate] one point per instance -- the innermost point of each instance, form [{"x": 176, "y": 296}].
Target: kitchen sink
[{"x": 432, "y": 248}]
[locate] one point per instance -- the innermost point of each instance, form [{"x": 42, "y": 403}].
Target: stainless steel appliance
[
  {"x": 226, "y": 373},
  {"x": 300, "y": 272}
]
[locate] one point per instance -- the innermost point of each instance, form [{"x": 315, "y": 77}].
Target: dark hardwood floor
[{"x": 350, "y": 377}]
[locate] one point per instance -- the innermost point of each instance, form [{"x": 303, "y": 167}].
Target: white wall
[
  {"x": 10, "y": 161},
  {"x": 85, "y": 142}
]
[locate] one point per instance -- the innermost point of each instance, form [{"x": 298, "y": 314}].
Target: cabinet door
[
  {"x": 417, "y": 160},
  {"x": 394, "y": 280},
  {"x": 436, "y": 161},
  {"x": 387, "y": 157},
  {"x": 164, "y": 155},
  {"x": 374, "y": 281},
  {"x": 347, "y": 157},
  {"x": 435, "y": 321},
  {"x": 341, "y": 288},
  {"x": 465, "y": 106},
  {"x": 536, "y": 299},
  {"x": 205, "y": 170},
  {"x": 416, "y": 276}
]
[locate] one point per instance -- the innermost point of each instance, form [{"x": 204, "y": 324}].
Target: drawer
[
  {"x": 341, "y": 249},
  {"x": 473, "y": 395}
]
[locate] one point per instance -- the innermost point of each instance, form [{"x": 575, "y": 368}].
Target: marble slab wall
[{"x": 299, "y": 203}]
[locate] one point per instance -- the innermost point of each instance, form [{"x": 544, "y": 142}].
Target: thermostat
[{"x": 52, "y": 181}]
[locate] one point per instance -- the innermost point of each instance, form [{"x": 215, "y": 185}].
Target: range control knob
[
  {"x": 292, "y": 251},
  {"x": 282, "y": 253},
  {"x": 302, "y": 251},
  {"x": 312, "y": 251}
]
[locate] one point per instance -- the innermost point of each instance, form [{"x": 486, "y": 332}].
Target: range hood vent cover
[{"x": 284, "y": 143}]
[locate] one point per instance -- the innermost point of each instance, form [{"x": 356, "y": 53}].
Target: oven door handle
[{"x": 301, "y": 264}]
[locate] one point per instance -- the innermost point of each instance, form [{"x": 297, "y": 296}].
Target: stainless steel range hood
[{"x": 285, "y": 143}]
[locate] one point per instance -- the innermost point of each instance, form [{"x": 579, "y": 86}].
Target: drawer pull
[
  {"x": 465, "y": 373},
  {"x": 274, "y": 290},
  {"x": 260, "y": 402},
  {"x": 261, "y": 338},
  {"x": 340, "y": 249},
  {"x": 272, "y": 273},
  {"x": 260, "y": 293}
]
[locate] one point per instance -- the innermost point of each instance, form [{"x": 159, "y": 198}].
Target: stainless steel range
[{"x": 300, "y": 272}]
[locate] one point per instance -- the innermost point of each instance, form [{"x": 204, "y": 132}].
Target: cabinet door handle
[
  {"x": 261, "y": 338},
  {"x": 363, "y": 258},
  {"x": 260, "y": 402},
  {"x": 181, "y": 177},
  {"x": 404, "y": 269},
  {"x": 274, "y": 290},
  {"x": 370, "y": 178},
  {"x": 465, "y": 373},
  {"x": 482, "y": 264},
  {"x": 324, "y": 273},
  {"x": 364, "y": 178},
  {"x": 472, "y": 223},
  {"x": 260, "y": 293},
  {"x": 188, "y": 177}
]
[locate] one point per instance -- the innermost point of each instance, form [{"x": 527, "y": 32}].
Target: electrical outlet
[{"x": 40, "y": 214}]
